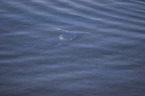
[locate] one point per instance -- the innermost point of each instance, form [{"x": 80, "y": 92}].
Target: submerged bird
[{"x": 68, "y": 36}]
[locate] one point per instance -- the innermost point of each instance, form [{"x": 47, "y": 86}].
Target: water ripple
[{"x": 72, "y": 47}]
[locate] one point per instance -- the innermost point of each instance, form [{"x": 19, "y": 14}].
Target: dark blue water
[{"x": 72, "y": 48}]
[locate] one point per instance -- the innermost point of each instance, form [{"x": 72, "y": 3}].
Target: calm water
[{"x": 72, "y": 48}]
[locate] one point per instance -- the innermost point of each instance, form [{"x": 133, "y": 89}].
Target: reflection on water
[{"x": 72, "y": 48}]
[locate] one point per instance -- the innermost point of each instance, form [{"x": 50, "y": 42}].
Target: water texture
[{"x": 72, "y": 48}]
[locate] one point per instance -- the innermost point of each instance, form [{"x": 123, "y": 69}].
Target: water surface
[{"x": 72, "y": 48}]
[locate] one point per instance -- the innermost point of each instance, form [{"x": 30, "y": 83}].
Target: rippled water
[{"x": 72, "y": 48}]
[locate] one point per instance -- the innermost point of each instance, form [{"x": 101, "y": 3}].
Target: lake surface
[{"x": 72, "y": 48}]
